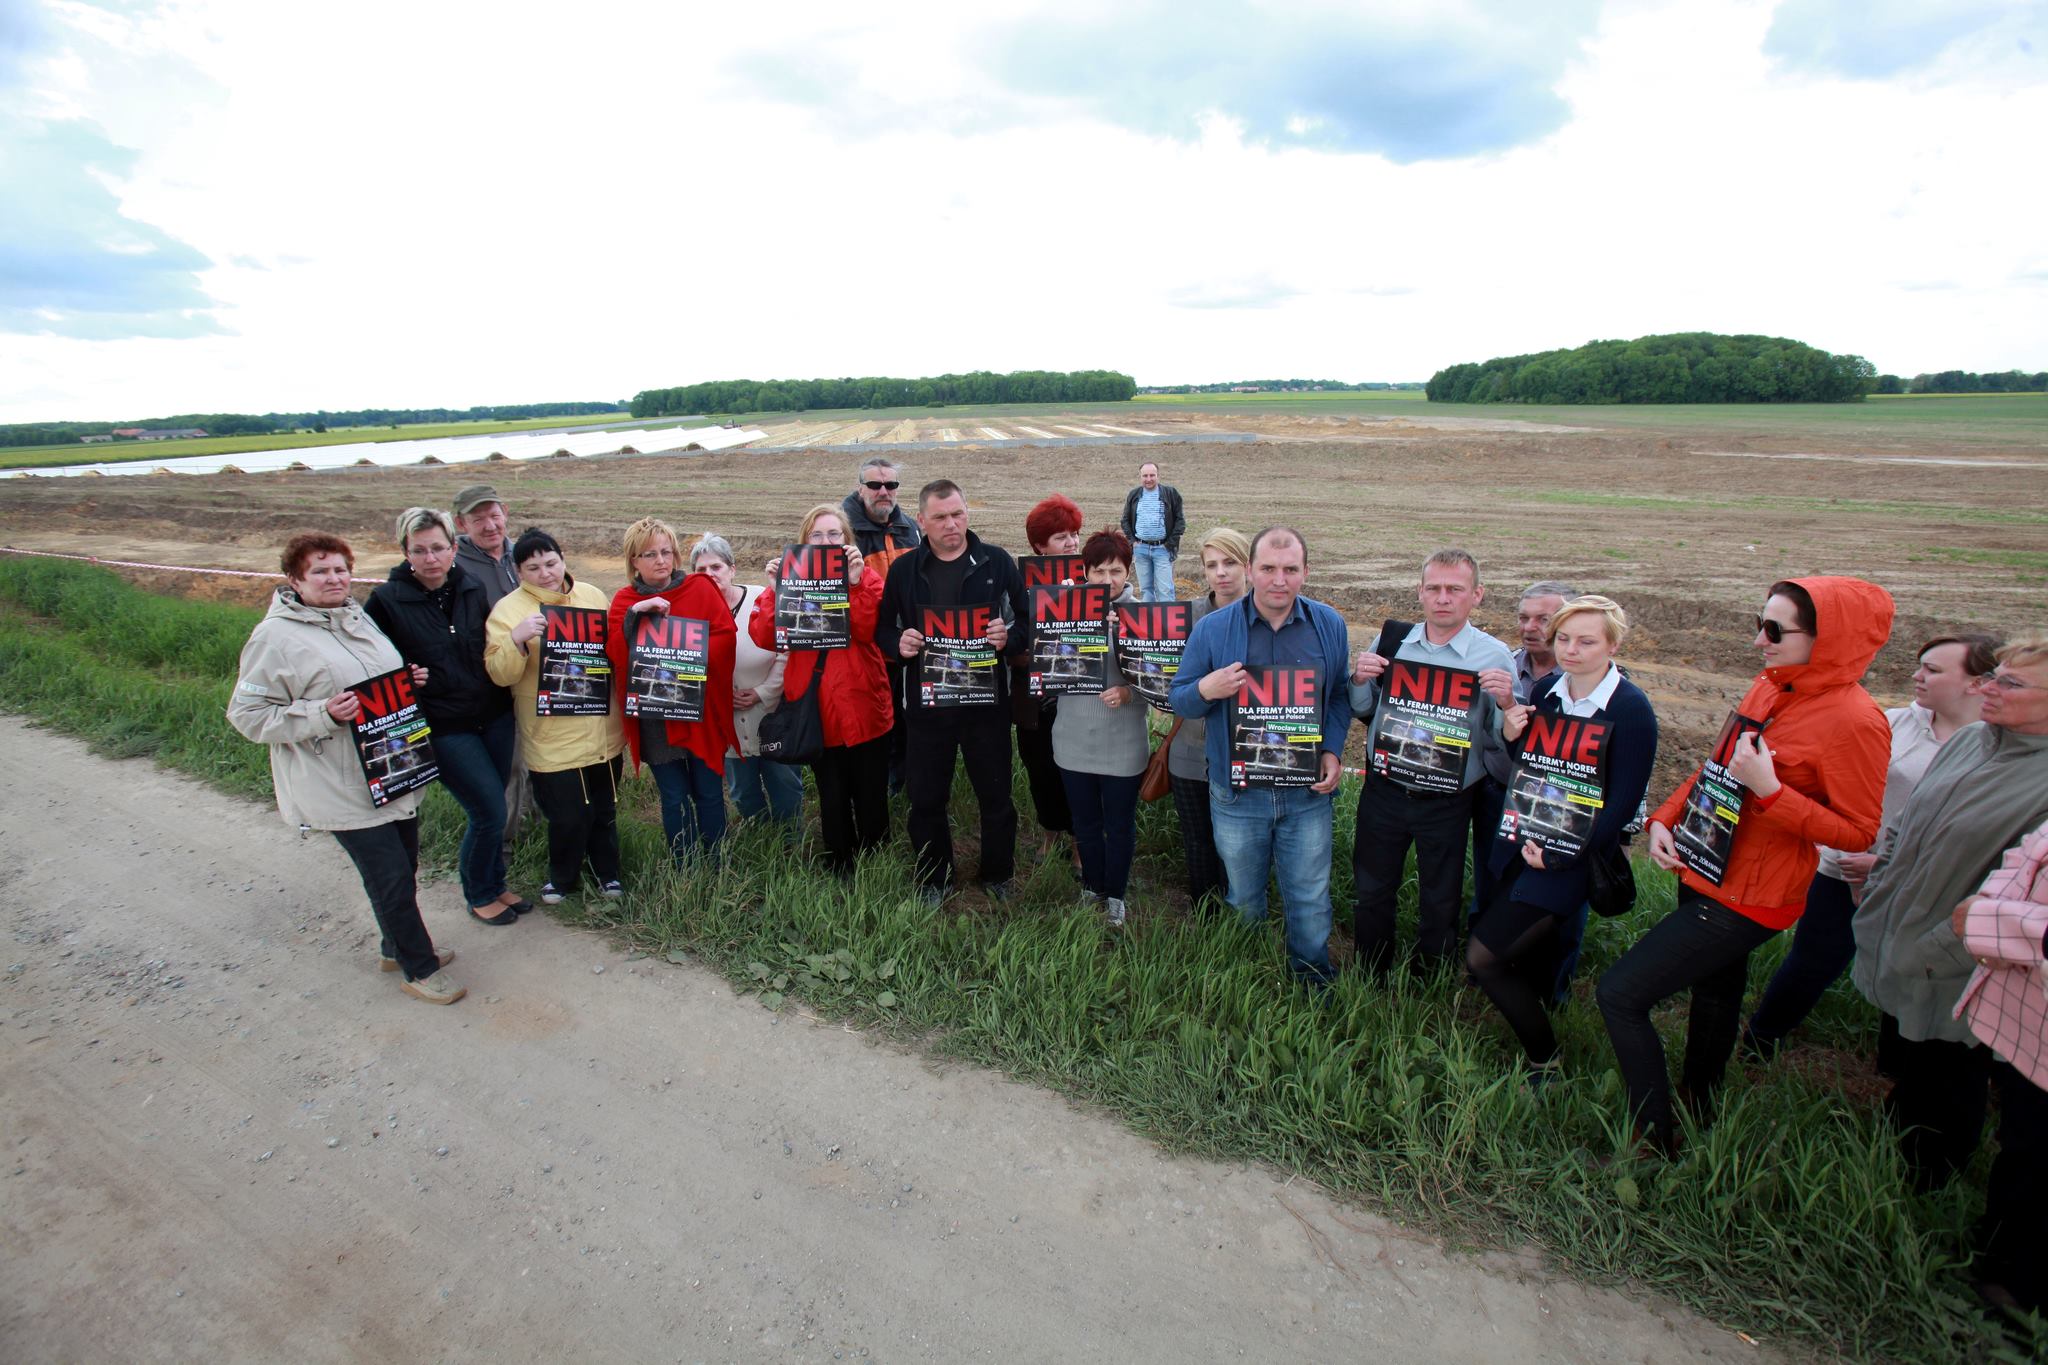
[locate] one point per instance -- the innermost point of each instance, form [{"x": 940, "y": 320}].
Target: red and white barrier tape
[{"x": 162, "y": 568}]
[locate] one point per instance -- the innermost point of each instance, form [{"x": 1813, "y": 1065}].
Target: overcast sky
[{"x": 246, "y": 205}]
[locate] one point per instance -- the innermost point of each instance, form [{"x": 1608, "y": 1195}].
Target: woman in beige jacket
[{"x": 293, "y": 694}]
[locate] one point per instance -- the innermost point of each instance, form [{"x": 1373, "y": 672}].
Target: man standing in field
[
  {"x": 951, "y": 567},
  {"x": 1154, "y": 523},
  {"x": 481, "y": 548},
  {"x": 1264, "y": 831},
  {"x": 1392, "y": 816},
  {"x": 1540, "y": 602},
  {"x": 883, "y": 533}
]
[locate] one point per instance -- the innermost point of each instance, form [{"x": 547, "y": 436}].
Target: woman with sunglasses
[{"x": 1809, "y": 753}]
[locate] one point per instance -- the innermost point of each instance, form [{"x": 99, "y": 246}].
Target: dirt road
[{"x": 227, "y": 1136}]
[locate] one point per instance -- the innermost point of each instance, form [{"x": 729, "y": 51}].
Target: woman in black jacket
[
  {"x": 1511, "y": 949},
  {"x": 434, "y": 612}
]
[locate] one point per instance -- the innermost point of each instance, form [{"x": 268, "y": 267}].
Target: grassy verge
[{"x": 1790, "y": 1219}]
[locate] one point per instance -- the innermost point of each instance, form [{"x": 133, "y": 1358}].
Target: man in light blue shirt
[
  {"x": 1391, "y": 816},
  {"x": 1153, "y": 522}
]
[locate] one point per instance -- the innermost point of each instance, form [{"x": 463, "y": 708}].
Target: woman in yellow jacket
[{"x": 574, "y": 759}]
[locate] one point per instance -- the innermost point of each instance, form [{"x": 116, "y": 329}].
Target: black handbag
[
  {"x": 1610, "y": 882},
  {"x": 794, "y": 732}
]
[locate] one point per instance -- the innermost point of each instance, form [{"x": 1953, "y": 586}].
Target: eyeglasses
[
  {"x": 1775, "y": 631},
  {"x": 2006, "y": 682},
  {"x": 656, "y": 554},
  {"x": 892, "y": 485}
]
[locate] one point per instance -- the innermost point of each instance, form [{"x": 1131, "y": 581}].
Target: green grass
[
  {"x": 116, "y": 452},
  {"x": 1789, "y": 1219}
]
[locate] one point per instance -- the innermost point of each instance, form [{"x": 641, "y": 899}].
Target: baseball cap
[{"x": 475, "y": 496}]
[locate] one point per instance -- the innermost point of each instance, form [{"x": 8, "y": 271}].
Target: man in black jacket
[
  {"x": 880, "y": 528},
  {"x": 1154, "y": 523},
  {"x": 953, "y": 568}
]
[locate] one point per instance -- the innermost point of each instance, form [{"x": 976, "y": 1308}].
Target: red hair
[
  {"x": 1057, "y": 515},
  {"x": 1106, "y": 545},
  {"x": 301, "y": 548}
]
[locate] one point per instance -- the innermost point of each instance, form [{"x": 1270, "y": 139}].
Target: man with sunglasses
[
  {"x": 878, "y": 522},
  {"x": 1986, "y": 788}
]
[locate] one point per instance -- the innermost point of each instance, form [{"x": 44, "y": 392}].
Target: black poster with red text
[
  {"x": 1558, "y": 784},
  {"x": 575, "y": 672},
  {"x": 958, "y": 666},
  {"x": 666, "y": 664},
  {"x": 1050, "y": 571},
  {"x": 1150, "y": 638},
  {"x": 1070, "y": 639},
  {"x": 1713, "y": 809},
  {"x": 813, "y": 602},
  {"x": 1276, "y": 727},
  {"x": 391, "y": 736},
  {"x": 1425, "y": 725}
]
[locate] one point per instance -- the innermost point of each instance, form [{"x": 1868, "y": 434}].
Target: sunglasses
[
  {"x": 892, "y": 485},
  {"x": 1775, "y": 632}
]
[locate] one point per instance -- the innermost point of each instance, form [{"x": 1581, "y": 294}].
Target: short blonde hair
[
  {"x": 824, "y": 509},
  {"x": 1232, "y": 543},
  {"x": 414, "y": 520},
  {"x": 641, "y": 534},
  {"x": 2025, "y": 652},
  {"x": 1606, "y": 608}
]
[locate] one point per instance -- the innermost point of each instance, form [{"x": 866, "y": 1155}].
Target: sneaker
[
  {"x": 390, "y": 964},
  {"x": 548, "y": 894},
  {"x": 438, "y": 989},
  {"x": 1115, "y": 909},
  {"x": 613, "y": 890},
  {"x": 999, "y": 891},
  {"x": 932, "y": 896},
  {"x": 1090, "y": 898}
]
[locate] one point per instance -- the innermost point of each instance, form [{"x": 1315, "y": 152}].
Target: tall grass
[{"x": 1789, "y": 1218}]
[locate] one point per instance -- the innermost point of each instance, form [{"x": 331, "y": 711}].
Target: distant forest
[
  {"x": 248, "y": 424},
  {"x": 1283, "y": 386},
  {"x": 1687, "y": 367},
  {"x": 1962, "y": 381},
  {"x": 804, "y": 395}
]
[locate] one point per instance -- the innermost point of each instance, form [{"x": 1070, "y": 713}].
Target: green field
[{"x": 112, "y": 452}]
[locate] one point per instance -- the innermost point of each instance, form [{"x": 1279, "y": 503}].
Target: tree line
[
  {"x": 1686, "y": 367},
  {"x": 804, "y": 395},
  {"x": 253, "y": 424},
  {"x": 1283, "y": 386},
  {"x": 1963, "y": 381}
]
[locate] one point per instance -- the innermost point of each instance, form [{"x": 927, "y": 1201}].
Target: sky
[{"x": 242, "y": 206}]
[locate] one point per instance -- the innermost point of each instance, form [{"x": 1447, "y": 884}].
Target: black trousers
[
  {"x": 1513, "y": 957},
  {"x": 1207, "y": 882},
  {"x": 387, "y": 857},
  {"x": 1390, "y": 819},
  {"x": 2008, "y": 1241},
  {"x": 1941, "y": 1091},
  {"x": 853, "y": 799},
  {"x": 582, "y": 807},
  {"x": 979, "y": 736},
  {"x": 1048, "y": 789}
]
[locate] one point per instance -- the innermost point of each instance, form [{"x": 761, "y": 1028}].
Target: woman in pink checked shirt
[{"x": 2005, "y": 926}]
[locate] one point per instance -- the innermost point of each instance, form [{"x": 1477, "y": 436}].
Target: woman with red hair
[{"x": 1054, "y": 528}]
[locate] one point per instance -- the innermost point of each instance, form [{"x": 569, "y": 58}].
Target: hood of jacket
[
  {"x": 1851, "y": 621},
  {"x": 349, "y": 617}
]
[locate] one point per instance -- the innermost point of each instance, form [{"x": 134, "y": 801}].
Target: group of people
[{"x": 1911, "y": 842}]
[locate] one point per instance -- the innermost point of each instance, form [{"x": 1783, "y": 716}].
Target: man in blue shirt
[
  {"x": 1392, "y": 816},
  {"x": 1153, "y": 522},
  {"x": 1263, "y": 831}
]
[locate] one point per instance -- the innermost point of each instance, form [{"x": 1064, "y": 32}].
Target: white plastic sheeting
[{"x": 510, "y": 445}]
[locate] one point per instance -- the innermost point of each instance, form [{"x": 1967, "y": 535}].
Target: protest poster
[
  {"x": 1557, "y": 784},
  {"x": 813, "y": 599},
  {"x": 1713, "y": 808},
  {"x": 1150, "y": 637},
  {"x": 958, "y": 666},
  {"x": 392, "y": 736},
  {"x": 1049, "y": 571},
  {"x": 575, "y": 672},
  {"x": 1276, "y": 727},
  {"x": 1070, "y": 639},
  {"x": 667, "y": 660},
  {"x": 1425, "y": 725}
]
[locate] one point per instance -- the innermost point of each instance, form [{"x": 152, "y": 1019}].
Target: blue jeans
[
  {"x": 1105, "y": 811},
  {"x": 760, "y": 784},
  {"x": 474, "y": 769},
  {"x": 1153, "y": 564},
  {"x": 700, "y": 829},
  {"x": 1283, "y": 831}
]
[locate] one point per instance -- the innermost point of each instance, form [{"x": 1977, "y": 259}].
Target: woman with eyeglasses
[
  {"x": 434, "y": 611},
  {"x": 1945, "y": 699},
  {"x": 687, "y": 757},
  {"x": 1808, "y": 749},
  {"x": 759, "y": 786},
  {"x": 1987, "y": 787},
  {"x": 853, "y": 702}
]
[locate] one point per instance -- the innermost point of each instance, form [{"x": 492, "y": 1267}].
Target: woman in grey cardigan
[
  {"x": 1225, "y": 553},
  {"x": 1099, "y": 743}
]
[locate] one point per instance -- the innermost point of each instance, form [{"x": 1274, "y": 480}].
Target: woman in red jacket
[
  {"x": 853, "y": 709},
  {"x": 687, "y": 757},
  {"x": 1801, "y": 764}
]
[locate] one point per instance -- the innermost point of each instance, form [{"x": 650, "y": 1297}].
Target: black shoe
[
  {"x": 522, "y": 906},
  {"x": 507, "y": 915}
]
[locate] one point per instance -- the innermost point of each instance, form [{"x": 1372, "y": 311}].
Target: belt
[{"x": 1143, "y": 541}]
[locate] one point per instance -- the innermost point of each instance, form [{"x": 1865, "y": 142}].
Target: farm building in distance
[{"x": 144, "y": 434}]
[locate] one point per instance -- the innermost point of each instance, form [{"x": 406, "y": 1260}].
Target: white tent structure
[{"x": 508, "y": 445}]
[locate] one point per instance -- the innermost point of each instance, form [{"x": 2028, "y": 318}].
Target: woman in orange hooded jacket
[{"x": 1801, "y": 764}]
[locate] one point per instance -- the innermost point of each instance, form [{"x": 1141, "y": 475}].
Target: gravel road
[{"x": 227, "y": 1136}]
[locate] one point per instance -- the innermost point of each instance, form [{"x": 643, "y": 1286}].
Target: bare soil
[{"x": 229, "y": 1137}]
